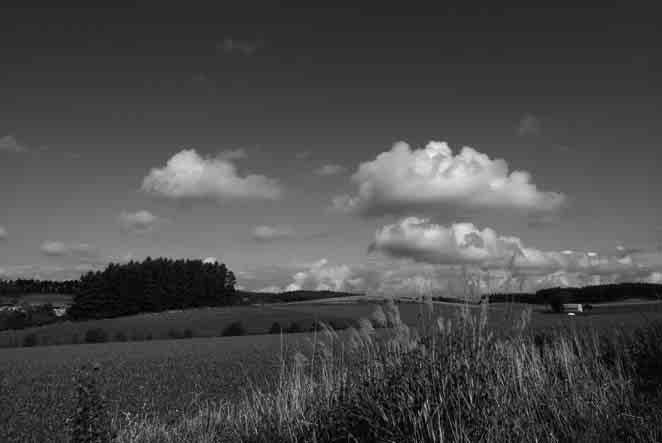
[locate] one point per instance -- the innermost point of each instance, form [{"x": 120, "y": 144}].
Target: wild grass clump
[
  {"x": 449, "y": 379},
  {"x": 90, "y": 421}
]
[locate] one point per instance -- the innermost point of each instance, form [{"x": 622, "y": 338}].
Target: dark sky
[{"x": 92, "y": 99}]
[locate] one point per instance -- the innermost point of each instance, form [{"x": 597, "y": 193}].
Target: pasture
[{"x": 167, "y": 378}]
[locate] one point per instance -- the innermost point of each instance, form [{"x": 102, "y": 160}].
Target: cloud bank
[
  {"x": 187, "y": 175},
  {"x": 403, "y": 181}
]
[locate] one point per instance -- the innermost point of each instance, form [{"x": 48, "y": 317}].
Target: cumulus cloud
[
  {"x": 433, "y": 179},
  {"x": 266, "y": 233},
  {"x": 138, "y": 222},
  {"x": 529, "y": 125},
  {"x": 62, "y": 249},
  {"x": 465, "y": 244},
  {"x": 322, "y": 276},
  {"x": 329, "y": 169},
  {"x": 187, "y": 175},
  {"x": 3, "y": 233},
  {"x": 460, "y": 243},
  {"x": 8, "y": 143}
]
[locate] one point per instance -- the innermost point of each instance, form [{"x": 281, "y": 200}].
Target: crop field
[{"x": 170, "y": 377}]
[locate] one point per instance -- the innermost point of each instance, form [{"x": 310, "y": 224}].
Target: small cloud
[
  {"x": 8, "y": 143},
  {"x": 187, "y": 175},
  {"x": 3, "y": 233},
  {"x": 62, "y": 249},
  {"x": 302, "y": 155},
  {"x": 210, "y": 260},
  {"x": 231, "y": 45},
  {"x": 139, "y": 222},
  {"x": 330, "y": 169},
  {"x": 529, "y": 125},
  {"x": 232, "y": 154},
  {"x": 272, "y": 233}
]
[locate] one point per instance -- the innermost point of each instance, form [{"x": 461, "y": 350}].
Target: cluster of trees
[
  {"x": 14, "y": 288},
  {"x": 601, "y": 293},
  {"x": 152, "y": 285},
  {"x": 27, "y": 316}
]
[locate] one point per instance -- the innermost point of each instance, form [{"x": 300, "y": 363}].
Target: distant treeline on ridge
[
  {"x": 152, "y": 285},
  {"x": 586, "y": 294},
  {"x": 21, "y": 286}
]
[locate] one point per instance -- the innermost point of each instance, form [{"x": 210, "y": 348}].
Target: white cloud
[
  {"x": 460, "y": 243},
  {"x": 529, "y": 125},
  {"x": 272, "y": 233},
  {"x": 210, "y": 260},
  {"x": 321, "y": 276},
  {"x": 8, "y": 143},
  {"x": 3, "y": 233},
  {"x": 187, "y": 175},
  {"x": 61, "y": 249},
  {"x": 329, "y": 169},
  {"x": 433, "y": 179},
  {"x": 463, "y": 243},
  {"x": 138, "y": 222}
]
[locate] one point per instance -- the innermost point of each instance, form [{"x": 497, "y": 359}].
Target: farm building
[{"x": 576, "y": 308}]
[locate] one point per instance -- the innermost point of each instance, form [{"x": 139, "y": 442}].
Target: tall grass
[{"x": 449, "y": 379}]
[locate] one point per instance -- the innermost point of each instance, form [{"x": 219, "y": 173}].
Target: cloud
[
  {"x": 330, "y": 169},
  {"x": 434, "y": 180},
  {"x": 458, "y": 244},
  {"x": 231, "y": 45},
  {"x": 321, "y": 276},
  {"x": 62, "y": 249},
  {"x": 3, "y": 233},
  {"x": 302, "y": 155},
  {"x": 489, "y": 253},
  {"x": 210, "y": 260},
  {"x": 139, "y": 222},
  {"x": 233, "y": 154},
  {"x": 529, "y": 125},
  {"x": 266, "y": 233},
  {"x": 187, "y": 175},
  {"x": 8, "y": 143}
]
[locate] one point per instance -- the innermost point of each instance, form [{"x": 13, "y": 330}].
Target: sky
[{"x": 366, "y": 149}]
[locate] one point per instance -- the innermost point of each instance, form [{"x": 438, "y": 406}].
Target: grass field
[{"x": 167, "y": 377}]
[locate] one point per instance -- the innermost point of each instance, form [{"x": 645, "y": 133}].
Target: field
[{"x": 169, "y": 377}]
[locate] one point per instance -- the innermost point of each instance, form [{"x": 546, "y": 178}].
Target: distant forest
[
  {"x": 586, "y": 294},
  {"x": 152, "y": 286},
  {"x": 15, "y": 288}
]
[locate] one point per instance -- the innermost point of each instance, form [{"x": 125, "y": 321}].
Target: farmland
[{"x": 169, "y": 377}]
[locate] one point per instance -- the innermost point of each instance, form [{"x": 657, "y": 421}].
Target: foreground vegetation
[
  {"x": 450, "y": 380},
  {"x": 169, "y": 389}
]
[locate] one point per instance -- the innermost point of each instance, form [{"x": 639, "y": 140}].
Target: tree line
[
  {"x": 152, "y": 285},
  {"x": 18, "y": 287}
]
